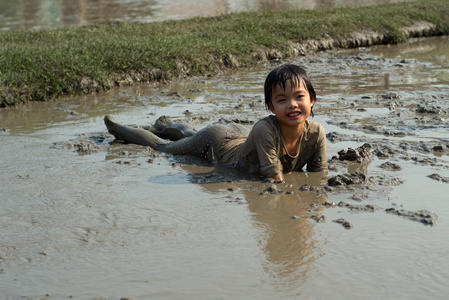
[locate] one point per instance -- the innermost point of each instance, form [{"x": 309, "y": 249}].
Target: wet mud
[
  {"x": 84, "y": 199},
  {"x": 359, "y": 183},
  {"x": 391, "y": 136}
]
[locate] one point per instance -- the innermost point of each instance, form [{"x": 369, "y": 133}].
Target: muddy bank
[
  {"x": 221, "y": 64},
  {"x": 363, "y": 39},
  {"x": 230, "y": 61}
]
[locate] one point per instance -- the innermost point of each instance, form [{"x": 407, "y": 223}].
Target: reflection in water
[
  {"x": 37, "y": 14},
  {"x": 286, "y": 234},
  {"x": 285, "y": 231},
  {"x": 281, "y": 220}
]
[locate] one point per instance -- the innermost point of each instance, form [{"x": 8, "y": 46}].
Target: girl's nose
[{"x": 293, "y": 103}]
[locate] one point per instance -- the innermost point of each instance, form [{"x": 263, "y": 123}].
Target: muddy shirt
[{"x": 264, "y": 151}]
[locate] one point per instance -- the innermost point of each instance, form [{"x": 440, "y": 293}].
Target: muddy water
[
  {"x": 32, "y": 14},
  {"x": 85, "y": 217}
]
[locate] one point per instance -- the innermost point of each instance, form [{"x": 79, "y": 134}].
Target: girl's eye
[{"x": 281, "y": 100}]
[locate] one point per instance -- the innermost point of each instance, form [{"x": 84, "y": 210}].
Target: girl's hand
[{"x": 278, "y": 177}]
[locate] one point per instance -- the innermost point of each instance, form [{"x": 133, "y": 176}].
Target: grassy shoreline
[{"x": 47, "y": 64}]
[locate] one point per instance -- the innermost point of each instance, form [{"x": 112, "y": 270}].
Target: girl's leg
[
  {"x": 196, "y": 145},
  {"x": 200, "y": 143},
  {"x": 133, "y": 135},
  {"x": 173, "y": 131}
]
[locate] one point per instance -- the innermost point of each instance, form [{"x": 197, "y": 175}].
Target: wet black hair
[{"x": 279, "y": 76}]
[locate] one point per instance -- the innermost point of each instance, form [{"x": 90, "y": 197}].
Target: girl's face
[{"x": 293, "y": 105}]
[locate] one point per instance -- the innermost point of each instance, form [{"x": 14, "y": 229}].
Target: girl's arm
[
  {"x": 318, "y": 160},
  {"x": 266, "y": 141}
]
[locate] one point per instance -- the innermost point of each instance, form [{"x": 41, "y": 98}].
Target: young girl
[{"x": 280, "y": 143}]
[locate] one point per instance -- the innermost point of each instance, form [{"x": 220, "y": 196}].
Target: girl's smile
[{"x": 294, "y": 115}]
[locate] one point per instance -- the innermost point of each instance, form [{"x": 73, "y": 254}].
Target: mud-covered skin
[
  {"x": 198, "y": 144},
  {"x": 165, "y": 128}
]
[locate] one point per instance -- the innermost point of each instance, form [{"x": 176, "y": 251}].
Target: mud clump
[
  {"x": 346, "y": 224},
  {"x": 423, "y": 216},
  {"x": 427, "y": 161},
  {"x": 347, "y": 179},
  {"x": 334, "y": 136},
  {"x": 394, "y": 133},
  {"x": 438, "y": 177},
  {"x": 429, "y": 109},
  {"x": 390, "y": 96},
  {"x": 82, "y": 147},
  {"x": 308, "y": 188},
  {"x": 368, "y": 207},
  {"x": 389, "y": 166},
  {"x": 124, "y": 162},
  {"x": 382, "y": 154},
  {"x": 386, "y": 181},
  {"x": 334, "y": 164},
  {"x": 272, "y": 189},
  {"x": 329, "y": 204},
  {"x": 86, "y": 147},
  {"x": 316, "y": 218},
  {"x": 338, "y": 137},
  {"x": 359, "y": 154},
  {"x": 319, "y": 219}
]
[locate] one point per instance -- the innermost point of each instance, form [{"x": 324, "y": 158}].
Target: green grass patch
[{"x": 46, "y": 64}]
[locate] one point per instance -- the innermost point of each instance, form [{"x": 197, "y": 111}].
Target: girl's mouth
[{"x": 293, "y": 115}]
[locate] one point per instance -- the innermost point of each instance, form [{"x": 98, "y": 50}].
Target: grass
[{"x": 46, "y": 64}]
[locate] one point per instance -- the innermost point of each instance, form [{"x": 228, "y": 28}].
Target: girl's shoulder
[
  {"x": 269, "y": 121},
  {"x": 314, "y": 130},
  {"x": 266, "y": 127},
  {"x": 313, "y": 126}
]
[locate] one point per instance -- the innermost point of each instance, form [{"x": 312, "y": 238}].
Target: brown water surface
[{"x": 112, "y": 220}]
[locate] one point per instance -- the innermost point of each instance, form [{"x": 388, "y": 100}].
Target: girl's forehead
[{"x": 294, "y": 83}]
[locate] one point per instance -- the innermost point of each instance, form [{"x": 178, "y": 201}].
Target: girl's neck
[
  {"x": 292, "y": 134},
  {"x": 291, "y": 137}
]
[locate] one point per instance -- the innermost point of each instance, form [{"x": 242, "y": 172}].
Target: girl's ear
[{"x": 270, "y": 107}]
